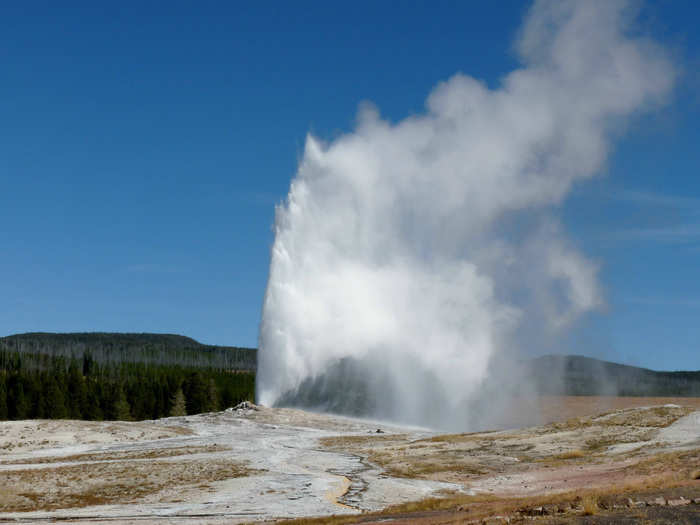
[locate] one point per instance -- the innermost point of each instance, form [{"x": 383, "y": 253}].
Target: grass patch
[
  {"x": 653, "y": 417},
  {"x": 460, "y": 438},
  {"x": 590, "y": 504},
  {"x": 84, "y": 485},
  {"x": 571, "y": 454},
  {"x": 582, "y": 502},
  {"x": 127, "y": 455},
  {"x": 402, "y": 459},
  {"x": 599, "y": 443},
  {"x": 344, "y": 442},
  {"x": 426, "y": 469},
  {"x": 682, "y": 463}
]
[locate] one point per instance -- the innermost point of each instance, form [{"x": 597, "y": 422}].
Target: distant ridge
[
  {"x": 348, "y": 386},
  {"x": 106, "y": 347},
  {"x": 580, "y": 375},
  {"x": 173, "y": 340}
]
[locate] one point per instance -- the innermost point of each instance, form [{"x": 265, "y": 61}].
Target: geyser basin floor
[
  {"x": 229, "y": 466},
  {"x": 261, "y": 464}
]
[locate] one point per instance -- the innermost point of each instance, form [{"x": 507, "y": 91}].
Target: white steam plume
[{"x": 426, "y": 248}]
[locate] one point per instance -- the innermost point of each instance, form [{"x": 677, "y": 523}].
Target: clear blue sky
[{"x": 143, "y": 147}]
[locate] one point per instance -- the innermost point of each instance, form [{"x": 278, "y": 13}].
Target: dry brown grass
[
  {"x": 104, "y": 483},
  {"x": 479, "y": 507},
  {"x": 600, "y": 443},
  {"x": 453, "y": 464},
  {"x": 654, "y": 417},
  {"x": 586, "y": 502},
  {"x": 460, "y": 438},
  {"x": 406, "y": 459},
  {"x": 661, "y": 472},
  {"x": 126, "y": 455},
  {"x": 29, "y": 435},
  {"x": 591, "y": 435},
  {"x": 344, "y": 442},
  {"x": 461, "y": 457},
  {"x": 448, "y": 457},
  {"x": 681, "y": 463},
  {"x": 325, "y": 520},
  {"x": 590, "y": 504},
  {"x": 571, "y": 454},
  {"x": 427, "y": 469}
]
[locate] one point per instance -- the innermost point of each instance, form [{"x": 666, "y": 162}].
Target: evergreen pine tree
[
  {"x": 54, "y": 400},
  {"x": 93, "y": 411},
  {"x": 17, "y": 403},
  {"x": 3, "y": 397},
  {"x": 122, "y": 410},
  {"x": 179, "y": 405},
  {"x": 196, "y": 392},
  {"x": 77, "y": 392},
  {"x": 212, "y": 404}
]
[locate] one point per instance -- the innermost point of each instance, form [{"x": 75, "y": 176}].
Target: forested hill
[
  {"x": 579, "y": 375},
  {"x": 109, "y": 348},
  {"x": 119, "y": 376}
]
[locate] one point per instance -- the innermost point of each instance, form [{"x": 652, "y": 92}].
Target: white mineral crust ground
[{"x": 294, "y": 476}]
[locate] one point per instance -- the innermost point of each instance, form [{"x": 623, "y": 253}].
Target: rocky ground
[{"x": 255, "y": 463}]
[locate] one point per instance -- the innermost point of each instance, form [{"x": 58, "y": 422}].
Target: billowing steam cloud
[{"x": 411, "y": 255}]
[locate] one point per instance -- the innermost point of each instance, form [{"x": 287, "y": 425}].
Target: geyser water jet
[{"x": 410, "y": 257}]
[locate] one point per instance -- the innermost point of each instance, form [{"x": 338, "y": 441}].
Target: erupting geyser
[{"x": 408, "y": 256}]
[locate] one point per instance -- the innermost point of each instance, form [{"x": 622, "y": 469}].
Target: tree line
[
  {"x": 141, "y": 348},
  {"x": 43, "y": 386}
]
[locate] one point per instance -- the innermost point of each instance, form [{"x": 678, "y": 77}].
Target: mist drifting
[{"x": 411, "y": 256}]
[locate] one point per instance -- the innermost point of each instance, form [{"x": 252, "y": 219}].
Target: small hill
[
  {"x": 103, "y": 347},
  {"x": 580, "y": 375}
]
